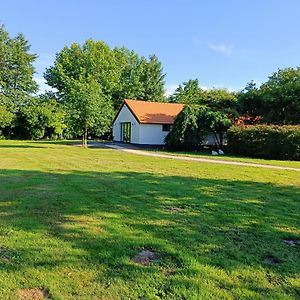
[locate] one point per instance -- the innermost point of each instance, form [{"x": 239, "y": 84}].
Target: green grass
[
  {"x": 71, "y": 220},
  {"x": 228, "y": 157}
]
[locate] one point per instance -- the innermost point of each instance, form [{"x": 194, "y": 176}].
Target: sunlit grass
[
  {"x": 72, "y": 219},
  {"x": 228, "y": 157}
]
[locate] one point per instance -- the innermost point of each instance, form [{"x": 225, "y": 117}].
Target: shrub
[{"x": 265, "y": 141}]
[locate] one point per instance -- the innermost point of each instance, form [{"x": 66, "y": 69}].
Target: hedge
[{"x": 265, "y": 141}]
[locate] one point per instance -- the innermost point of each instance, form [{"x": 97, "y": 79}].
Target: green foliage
[
  {"x": 277, "y": 101},
  {"x": 89, "y": 109},
  {"x": 262, "y": 141},
  {"x": 16, "y": 71},
  {"x": 218, "y": 99},
  {"x": 6, "y": 117},
  {"x": 92, "y": 79},
  {"x": 41, "y": 118},
  {"x": 192, "y": 126},
  {"x": 188, "y": 93},
  {"x": 119, "y": 72}
]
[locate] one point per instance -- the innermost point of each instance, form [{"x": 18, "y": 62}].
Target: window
[{"x": 166, "y": 127}]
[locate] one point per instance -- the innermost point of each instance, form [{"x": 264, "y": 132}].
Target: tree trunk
[
  {"x": 84, "y": 138},
  {"x": 221, "y": 139},
  {"x": 217, "y": 139}
]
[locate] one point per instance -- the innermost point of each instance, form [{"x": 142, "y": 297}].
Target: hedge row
[{"x": 264, "y": 141}]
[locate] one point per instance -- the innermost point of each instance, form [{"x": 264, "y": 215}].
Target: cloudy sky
[{"x": 223, "y": 43}]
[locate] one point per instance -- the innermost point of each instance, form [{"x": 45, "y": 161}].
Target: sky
[{"x": 223, "y": 43}]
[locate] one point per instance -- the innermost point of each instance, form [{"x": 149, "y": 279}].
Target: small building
[{"x": 144, "y": 122}]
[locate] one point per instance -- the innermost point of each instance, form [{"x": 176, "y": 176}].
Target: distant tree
[
  {"x": 188, "y": 93},
  {"x": 41, "y": 117},
  {"x": 16, "y": 77},
  {"x": 219, "y": 100},
  {"x": 277, "y": 101},
  {"x": 6, "y": 117},
  {"x": 250, "y": 103},
  {"x": 16, "y": 72},
  {"x": 281, "y": 97},
  {"x": 153, "y": 80}
]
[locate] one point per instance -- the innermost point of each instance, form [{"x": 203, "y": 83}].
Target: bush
[{"x": 265, "y": 141}]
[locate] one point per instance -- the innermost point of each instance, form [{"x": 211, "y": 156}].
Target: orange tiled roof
[{"x": 154, "y": 112}]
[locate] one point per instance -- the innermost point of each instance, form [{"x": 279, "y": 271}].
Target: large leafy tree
[
  {"x": 120, "y": 73},
  {"x": 188, "y": 93},
  {"x": 90, "y": 110},
  {"x": 153, "y": 80},
  {"x": 92, "y": 78},
  {"x": 16, "y": 76},
  {"x": 281, "y": 97},
  {"x": 40, "y": 117},
  {"x": 277, "y": 101}
]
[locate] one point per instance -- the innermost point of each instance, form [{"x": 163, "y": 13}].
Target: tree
[
  {"x": 16, "y": 69},
  {"x": 41, "y": 117},
  {"x": 88, "y": 108},
  {"x": 188, "y": 93},
  {"x": 194, "y": 124},
  {"x": 120, "y": 73},
  {"x": 277, "y": 101},
  {"x": 219, "y": 100},
  {"x": 6, "y": 117},
  {"x": 153, "y": 79},
  {"x": 281, "y": 97}
]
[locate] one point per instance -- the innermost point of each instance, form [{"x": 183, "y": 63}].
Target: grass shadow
[{"x": 103, "y": 219}]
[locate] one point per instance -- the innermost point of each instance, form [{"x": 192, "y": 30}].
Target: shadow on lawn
[{"x": 225, "y": 224}]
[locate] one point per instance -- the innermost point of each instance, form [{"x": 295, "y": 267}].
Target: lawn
[
  {"x": 73, "y": 220},
  {"x": 228, "y": 157}
]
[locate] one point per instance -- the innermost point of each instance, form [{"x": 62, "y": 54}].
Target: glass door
[{"x": 126, "y": 132}]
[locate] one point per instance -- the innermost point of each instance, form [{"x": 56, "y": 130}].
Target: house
[{"x": 144, "y": 122}]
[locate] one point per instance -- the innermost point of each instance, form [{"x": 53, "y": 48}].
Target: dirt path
[{"x": 205, "y": 160}]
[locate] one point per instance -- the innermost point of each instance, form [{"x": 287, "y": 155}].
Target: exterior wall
[
  {"x": 125, "y": 115},
  {"x": 152, "y": 134}
]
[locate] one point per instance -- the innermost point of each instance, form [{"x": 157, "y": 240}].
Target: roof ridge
[{"x": 156, "y": 102}]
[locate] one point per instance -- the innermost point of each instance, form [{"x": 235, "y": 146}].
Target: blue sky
[{"x": 223, "y": 43}]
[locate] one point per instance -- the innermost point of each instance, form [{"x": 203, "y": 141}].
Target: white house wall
[
  {"x": 125, "y": 115},
  {"x": 152, "y": 134}
]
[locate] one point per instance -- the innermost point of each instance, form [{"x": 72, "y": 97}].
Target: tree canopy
[{"x": 276, "y": 101}]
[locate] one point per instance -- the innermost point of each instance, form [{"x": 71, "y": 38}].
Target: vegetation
[
  {"x": 90, "y": 81},
  {"x": 272, "y": 142},
  {"x": 72, "y": 220},
  {"x": 277, "y": 101},
  {"x": 194, "y": 124},
  {"x": 16, "y": 78}
]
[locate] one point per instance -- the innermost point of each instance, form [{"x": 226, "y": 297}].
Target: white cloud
[
  {"x": 170, "y": 89},
  {"x": 225, "y": 49}
]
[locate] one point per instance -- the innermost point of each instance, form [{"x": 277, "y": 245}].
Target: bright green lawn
[
  {"x": 71, "y": 219},
  {"x": 228, "y": 157}
]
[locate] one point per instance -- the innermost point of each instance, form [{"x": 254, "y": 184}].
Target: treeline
[
  {"x": 90, "y": 81},
  {"x": 275, "y": 102}
]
